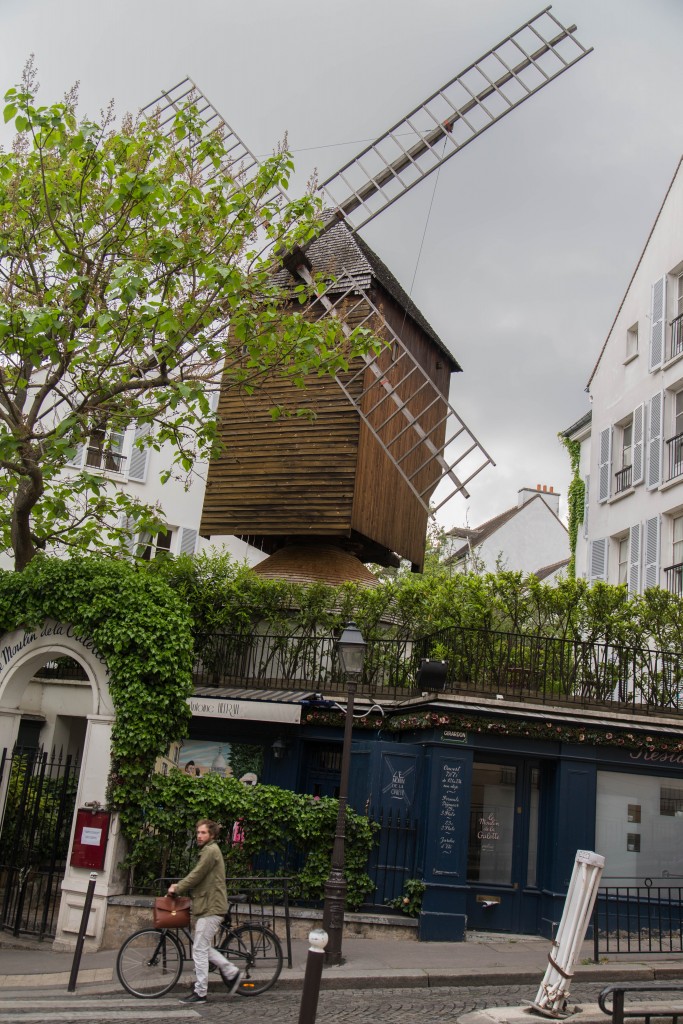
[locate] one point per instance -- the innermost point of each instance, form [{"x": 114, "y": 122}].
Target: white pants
[{"x": 204, "y": 953}]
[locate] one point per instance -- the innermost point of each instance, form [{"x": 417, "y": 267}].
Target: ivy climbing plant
[
  {"x": 143, "y": 632},
  {"x": 576, "y": 495}
]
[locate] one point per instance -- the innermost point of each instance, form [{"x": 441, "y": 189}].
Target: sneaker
[
  {"x": 193, "y": 998},
  {"x": 232, "y": 981}
]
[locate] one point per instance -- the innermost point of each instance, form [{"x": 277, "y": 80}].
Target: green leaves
[{"x": 122, "y": 268}]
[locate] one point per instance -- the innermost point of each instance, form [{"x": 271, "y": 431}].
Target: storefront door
[{"x": 503, "y": 845}]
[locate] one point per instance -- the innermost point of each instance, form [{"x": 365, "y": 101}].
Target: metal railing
[
  {"x": 674, "y": 579},
  {"x": 623, "y": 479},
  {"x": 262, "y": 899},
  {"x": 675, "y": 457},
  {"x": 539, "y": 669},
  {"x": 677, "y": 336},
  {"x": 301, "y": 662},
  {"x": 643, "y": 919},
  {"x": 393, "y": 858}
]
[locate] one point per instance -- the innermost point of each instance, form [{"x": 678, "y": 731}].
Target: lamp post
[{"x": 351, "y": 648}]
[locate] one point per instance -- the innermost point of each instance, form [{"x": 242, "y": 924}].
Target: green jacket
[{"x": 206, "y": 883}]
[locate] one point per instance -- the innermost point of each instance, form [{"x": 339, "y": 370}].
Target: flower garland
[{"x": 540, "y": 730}]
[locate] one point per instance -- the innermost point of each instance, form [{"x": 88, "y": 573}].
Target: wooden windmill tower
[{"x": 361, "y": 475}]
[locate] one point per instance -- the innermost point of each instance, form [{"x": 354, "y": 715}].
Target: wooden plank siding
[
  {"x": 384, "y": 506},
  {"x": 293, "y": 478}
]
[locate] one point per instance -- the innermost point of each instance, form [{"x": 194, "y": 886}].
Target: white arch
[{"x": 24, "y": 651}]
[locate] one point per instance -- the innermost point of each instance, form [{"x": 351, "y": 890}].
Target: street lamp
[{"x": 351, "y": 649}]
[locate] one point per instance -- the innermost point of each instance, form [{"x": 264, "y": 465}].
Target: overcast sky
[{"x": 534, "y": 228}]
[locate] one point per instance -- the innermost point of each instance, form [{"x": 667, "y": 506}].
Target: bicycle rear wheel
[
  {"x": 149, "y": 963},
  {"x": 257, "y": 952}
]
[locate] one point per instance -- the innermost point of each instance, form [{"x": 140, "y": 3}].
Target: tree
[{"x": 125, "y": 256}]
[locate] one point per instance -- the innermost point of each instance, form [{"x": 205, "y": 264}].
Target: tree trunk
[{"x": 28, "y": 494}]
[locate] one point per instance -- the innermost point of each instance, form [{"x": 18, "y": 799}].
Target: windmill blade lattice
[
  {"x": 242, "y": 164},
  {"x": 456, "y": 114},
  {"x": 401, "y": 406},
  {"x": 391, "y": 406}
]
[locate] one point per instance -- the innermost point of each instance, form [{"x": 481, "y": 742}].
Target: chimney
[{"x": 549, "y": 495}]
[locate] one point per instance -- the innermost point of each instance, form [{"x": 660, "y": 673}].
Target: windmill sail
[
  {"x": 456, "y": 114},
  {"x": 408, "y": 415}
]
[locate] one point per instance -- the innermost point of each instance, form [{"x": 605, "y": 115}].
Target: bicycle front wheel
[
  {"x": 257, "y": 952},
  {"x": 149, "y": 963}
]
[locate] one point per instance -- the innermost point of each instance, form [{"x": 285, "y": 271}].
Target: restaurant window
[{"x": 492, "y": 818}]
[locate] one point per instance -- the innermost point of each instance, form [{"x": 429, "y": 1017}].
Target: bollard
[
  {"x": 81, "y": 932},
  {"x": 314, "y": 969}
]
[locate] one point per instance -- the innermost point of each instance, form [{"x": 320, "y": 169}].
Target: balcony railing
[
  {"x": 537, "y": 669},
  {"x": 677, "y": 336},
  {"x": 100, "y": 458},
  {"x": 674, "y": 579},
  {"x": 623, "y": 479},
  {"x": 675, "y": 447}
]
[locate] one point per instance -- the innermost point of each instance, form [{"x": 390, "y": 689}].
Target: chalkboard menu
[{"x": 449, "y": 835}]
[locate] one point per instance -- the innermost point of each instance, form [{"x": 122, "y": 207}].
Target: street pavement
[
  {"x": 382, "y": 982},
  {"x": 441, "y": 1005}
]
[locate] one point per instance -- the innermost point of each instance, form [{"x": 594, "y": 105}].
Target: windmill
[{"x": 363, "y": 473}]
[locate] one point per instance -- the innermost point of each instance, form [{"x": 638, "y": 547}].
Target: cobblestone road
[{"x": 379, "y": 1006}]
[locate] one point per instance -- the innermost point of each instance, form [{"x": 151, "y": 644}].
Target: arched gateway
[{"x": 73, "y": 718}]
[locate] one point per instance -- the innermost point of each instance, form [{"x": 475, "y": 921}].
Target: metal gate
[
  {"x": 393, "y": 860},
  {"x": 34, "y": 837}
]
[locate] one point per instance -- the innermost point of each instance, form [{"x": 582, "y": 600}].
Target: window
[
  {"x": 632, "y": 342},
  {"x": 677, "y": 322},
  {"x": 105, "y": 450},
  {"x": 675, "y": 444},
  {"x": 623, "y": 559},
  {"x": 624, "y": 476},
  {"x": 154, "y": 546},
  {"x": 639, "y": 825},
  {"x": 674, "y": 573},
  {"x": 671, "y": 802},
  {"x": 492, "y": 818}
]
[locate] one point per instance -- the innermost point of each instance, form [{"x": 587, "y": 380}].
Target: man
[{"x": 206, "y": 883}]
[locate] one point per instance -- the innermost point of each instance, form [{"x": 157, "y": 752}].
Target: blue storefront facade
[{"x": 497, "y": 796}]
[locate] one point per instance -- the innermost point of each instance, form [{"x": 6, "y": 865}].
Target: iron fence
[
  {"x": 552, "y": 669},
  {"x": 646, "y": 919},
  {"x": 36, "y": 823},
  {"x": 394, "y": 857},
  {"x": 542, "y": 669},
  {"x": 301, "y": 661},
  {"x": 263, "y": 899}
]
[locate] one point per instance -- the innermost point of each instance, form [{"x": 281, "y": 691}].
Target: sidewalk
[{"x": 484, "y": 959}]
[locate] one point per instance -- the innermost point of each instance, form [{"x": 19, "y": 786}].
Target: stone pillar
[
  {"x": 9, "y": 730},
  {"x": 110, "y": 881}
]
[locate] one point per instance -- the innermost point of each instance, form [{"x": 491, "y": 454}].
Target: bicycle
[{"x": 150, "y": 961}]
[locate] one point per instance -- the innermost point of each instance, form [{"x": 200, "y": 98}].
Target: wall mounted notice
[{"x": 449, "y": 810}]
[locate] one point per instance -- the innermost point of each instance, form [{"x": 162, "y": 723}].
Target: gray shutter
[
  {"x": 638, "y": 450},
  {"x": 651, "y": 542},
  {"x": 188, "y": 541},
  {"x": 77, "y": 457},
  {"x": 598, "y": 560},
  {"x": 605, "y": 464},
  {"x": 657, "y": 324},
  {"x": 634, "y": 560},
  {"x": 127, "y": 523},
  {"x": 137, "y": 469},
  {"x": 586, "y": 499},
  {"x": 655, "y": 424}
]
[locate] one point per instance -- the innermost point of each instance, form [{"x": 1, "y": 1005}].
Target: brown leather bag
[{"x": 172, "y": 911}]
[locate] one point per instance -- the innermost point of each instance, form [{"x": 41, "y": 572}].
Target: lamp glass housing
[{"x": 351, "y": 647}]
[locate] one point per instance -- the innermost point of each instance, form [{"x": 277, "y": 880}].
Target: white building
[
  {"x": 140, "y": 473},
  {"x": 527, "y": 538},
  {"x": 632, "y": 441}
]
